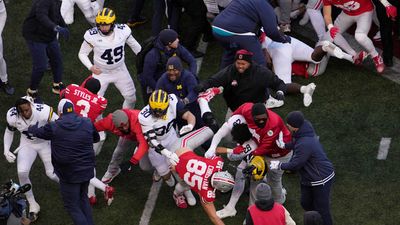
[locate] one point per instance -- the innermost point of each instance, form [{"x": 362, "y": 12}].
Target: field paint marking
[
  {"x": 150, "y": 203},
  {"x": 383, "y": 148}
]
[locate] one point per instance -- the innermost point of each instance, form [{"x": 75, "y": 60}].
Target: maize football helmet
[
  {"x": 260, "y": 167},
  {"x": 106, "y": 16},
  {"x": 159, "y": 103}
]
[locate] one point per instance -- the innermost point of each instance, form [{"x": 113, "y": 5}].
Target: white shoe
[
  {"x": 226, "y": 212},
  {"x": 377, "y": 36},
  {"x": 304, "y": 20},
  {"x": 284, "y": 192},
  {"x": 108, "y": 177},
  {"x": 191, "y": 200},
  {"x": 273, "y": 103},
  {"x": 34, "y": 207},
  {"x": 332, "y": 49},
  {"x": 307, "y": 99}
]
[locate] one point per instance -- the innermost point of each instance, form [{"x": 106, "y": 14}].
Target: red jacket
[
  {"x": 135, "y": 133},
  {"x": 268, "y": 135},
  {"x": 275, "y": 216}
]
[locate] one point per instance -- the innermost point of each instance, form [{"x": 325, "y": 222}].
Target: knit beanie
[
  {"x": 93, "y": 85},
  {"x": 312, "y": 218},
  {"x": 65, "y": 106},
  {"x": 258, "y": 109},
  {"x": 167, "y": 36},
  {"x": 119, "y": 117},
  {"x": 295, "y": 119},
  {"x": 174, "y": 63},
  {"x": 263, "y": 192},
  {"x": 243, "y": 54}
]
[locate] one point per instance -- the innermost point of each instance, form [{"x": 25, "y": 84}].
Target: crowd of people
[{"x": 258, "y": 61}]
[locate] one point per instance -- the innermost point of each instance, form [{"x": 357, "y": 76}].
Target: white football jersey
[
  {"x": 41, "y": 113},
  {"x": 108, "y": 51},
  {"x": 163, "y": 127},
  {"x": 2, "y": 6}
]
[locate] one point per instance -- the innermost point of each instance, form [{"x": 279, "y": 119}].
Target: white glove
[
  {"x": 275, "y": 165},
  {"x": 10, "y": 156},
  {"x": 210, "y": 153},
  {"x": 95, "y": 7},
  {"x": 279, "y": 141},
  {"x": 186, "y": 129},
  {"x": 173, "y": 158}
]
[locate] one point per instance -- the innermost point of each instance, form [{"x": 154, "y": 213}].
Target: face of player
[
  {"x": 173, "y": 74},
  {"x": 124, "y": 128},
  {"x": 105, "y": 29},
  {"x": 261, "y": 120},
  {"x": 25, "y": 110},
  {"x": 241, "y": 65},
  {"x": 291, "y": 129},
  {"x": 174, "y": 44}
]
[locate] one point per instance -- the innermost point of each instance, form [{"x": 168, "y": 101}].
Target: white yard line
[
  {"x": 150, "y": 203},
  {"x": 383, "y": 148}
]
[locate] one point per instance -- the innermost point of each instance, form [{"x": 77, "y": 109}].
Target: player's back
[{"x": 85, "y": 102}]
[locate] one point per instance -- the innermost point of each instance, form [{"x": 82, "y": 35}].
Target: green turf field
[{"x": 352, "y": 109}]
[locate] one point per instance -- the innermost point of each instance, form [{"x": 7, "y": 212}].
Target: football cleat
[
  {"x": 57, "y": 87},
  {"x": 379, "y": 65},
  {"x": 180, "y": 201},
  {"x": 226, "y": 212},
  {"x": 273, "y": 103},
  {"x": 304, "y": 20},
  {"x": 284, "y": 193},
  {"x": 191, "y": 200},
  {"x": 360, "y": 57},
  {"x": 109, "y": 194},
  {"x": 32, "y": 92},
  {"x": 34, "y": 209},
  {"x": 7, "y": 88},
  {"x": 332, "y": 49},
  {"x": 307, "y": 99},
  {"x": 108, "y": 177},
  {"x": 211, "y": 93},
  {"x": 377, "y": 36},
  {"x": 92, "y": 200}
]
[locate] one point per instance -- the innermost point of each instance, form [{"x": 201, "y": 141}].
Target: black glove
[
  {"x": 63, "y": 31},
  {"x": 248, "y": 171},
  {"x": 200, "y": 88},
  {"x": 280, "y": 96}
]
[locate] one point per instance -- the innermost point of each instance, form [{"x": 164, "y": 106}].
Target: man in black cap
[
  {"x": 265, "y": 211},
  {"x": 72, "y": 155},
  {"x": 165, "y": 46},
  {"x": 316, "y": 170}
]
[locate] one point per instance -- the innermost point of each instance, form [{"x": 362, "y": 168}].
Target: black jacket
[
  {"x": 42, "y": 19},
  {"x": 251, "y": 86}
]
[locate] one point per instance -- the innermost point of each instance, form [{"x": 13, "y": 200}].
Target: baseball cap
[
  {"x": 295, "y": 119},
  {"x": 65, "y": 106},
  {"x": 167, "y": 36}
]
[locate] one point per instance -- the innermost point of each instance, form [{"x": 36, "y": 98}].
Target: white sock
[
  {"x": 204, "y": 107},
  {"x": 171, "y": 181},
  {"x": 237, "y": 189},
  {"x": 303, "y": 89}
]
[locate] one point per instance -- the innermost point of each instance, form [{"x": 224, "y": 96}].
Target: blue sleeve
[
  {"x": 150, "y": 69},
  {"x": 45, "y": 132},
  {"x": 96, "y": 136},
  {"x": 186, "y": 56},
  {"x": 190, "y": 83},
  {"x": 180, "y": 106},
  {"x": 302, "y": 153},
  {"x": 42, "y": 9},
  {"x": 161, "y": 83},
  {"x": 268, "y": 21}
]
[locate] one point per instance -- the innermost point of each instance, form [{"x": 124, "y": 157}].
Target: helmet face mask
[
  {"x": 260, "y": 167},
  {"x": 104, "y": 18},
  {"x": 159, "y": 103},
  {"x": 223, "y": 181}
]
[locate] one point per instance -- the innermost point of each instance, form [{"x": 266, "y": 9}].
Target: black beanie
[
  {"x": 295, "y": 119},
  {"x": 258, "y": 109},
  {"x": 243, "y": 54},
  {"x": 174, "y": 63},
  {"x": 167, "y": 36},
  {"x": 93, "y": 85}
]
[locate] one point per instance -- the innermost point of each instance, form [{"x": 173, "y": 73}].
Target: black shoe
[
  {"x": 208, "y": 38},
  {"x": 136, "y": 22},
  {"x": 57, "y": 87},
  {"x": 32, "y": 93},
  {"x": 8, "y": 89},
  {"x": 197, "y": 54}
]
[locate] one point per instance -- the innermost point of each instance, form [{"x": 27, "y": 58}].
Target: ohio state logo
[{"x": 351, "y": 5}]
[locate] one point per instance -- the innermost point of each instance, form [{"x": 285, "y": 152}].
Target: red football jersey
[
  {"x": 352, "y": 7},
  {"x": 86, "y": 103},
  {"x": 196, "y": 171}
]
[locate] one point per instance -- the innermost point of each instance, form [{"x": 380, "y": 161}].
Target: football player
[
  {"x": 88, "y": 104},
  {"x": 24, "y": 114},
  {"x": 204, "y": 176},
  {"x": 89, "y": 9},
  {"x": 353, "y": 11},
  {"x": 107, "y": 41}
]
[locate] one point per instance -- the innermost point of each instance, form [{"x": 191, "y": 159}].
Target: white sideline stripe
[
  {"x": 201, "y": 48},
  {"x": 383, "y": 148},
  {"x": 150, "y": 203}
]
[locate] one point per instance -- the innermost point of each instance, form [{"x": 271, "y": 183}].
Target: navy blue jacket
[
  {"x": 72, "y": 153},
  {"x": 152, "y": 69},
  {"x": 183, "y": 87},
  {"x": 309, "y": 157},
  {"x": 242, "y": 16}
]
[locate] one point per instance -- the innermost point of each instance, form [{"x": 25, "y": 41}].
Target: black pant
[{"x": 386, "y": 26}]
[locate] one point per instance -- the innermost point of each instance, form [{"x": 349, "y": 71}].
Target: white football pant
[
  {"x": 67, "y": 10},
  {"x": 3, "y": 66}
]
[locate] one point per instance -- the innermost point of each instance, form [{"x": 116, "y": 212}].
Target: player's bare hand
[{"x": 95, "y": 69}]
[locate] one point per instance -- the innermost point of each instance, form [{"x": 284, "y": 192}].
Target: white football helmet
[{"x": 223, "y": 181}]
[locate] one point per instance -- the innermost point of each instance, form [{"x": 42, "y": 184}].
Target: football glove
[
  {"x": 333, "y": 31},
  {"x": 238, "y": 149},
  {"x": 391, "y": 12},
  {"x": 275, "y": 165},
  {"x": 280, "y": 96},
  {"x": 186, "y": 129},
  {"x": 9, "y": 156},
  {"x": 173, "y": 158},
  {"x": 279, "y": 141}
]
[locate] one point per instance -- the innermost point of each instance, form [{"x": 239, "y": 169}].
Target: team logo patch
[
  {"x": 270, "y": 133},
  {"x": 234, "y": 83},
  {"x": 240, "y": 56}
]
